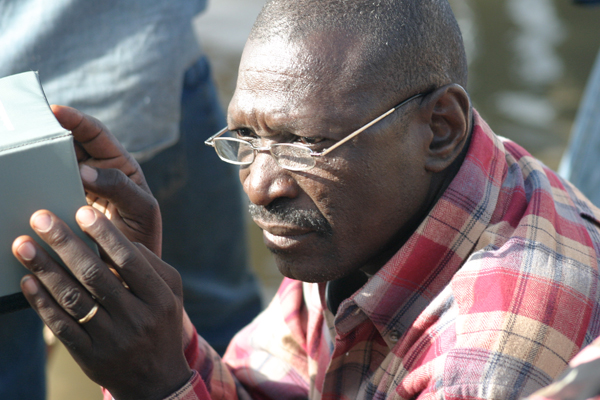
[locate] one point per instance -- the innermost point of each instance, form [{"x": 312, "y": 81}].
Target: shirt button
[{"x": 394, "y": 336}]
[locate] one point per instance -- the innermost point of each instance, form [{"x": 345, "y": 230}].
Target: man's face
[{"x": 352, "y": 209}]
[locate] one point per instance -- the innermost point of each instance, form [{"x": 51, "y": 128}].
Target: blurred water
[{"x": 528, "y": 69}]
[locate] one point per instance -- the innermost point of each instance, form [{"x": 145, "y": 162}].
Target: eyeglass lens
[
  {"x": 292, "y": 157},
  {"x": 288, "y": 156},
  {"x": 234, "y": 151}
]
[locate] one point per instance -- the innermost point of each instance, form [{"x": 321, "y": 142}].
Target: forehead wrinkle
[
  {"x": 262, "y": 113},
  {"x": 292, "y": 85},
  {"x": 324, "y": 60}
]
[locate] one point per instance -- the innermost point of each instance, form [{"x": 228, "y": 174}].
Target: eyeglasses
[{"x": 294, "y": 157}]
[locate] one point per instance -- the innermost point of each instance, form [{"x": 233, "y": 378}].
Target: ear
[{"x": 448, "y": 113}]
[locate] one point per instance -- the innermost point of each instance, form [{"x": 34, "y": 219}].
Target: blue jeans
[
  {"x": 22, "y": 356},
  {"x": 204, "y": 235}
]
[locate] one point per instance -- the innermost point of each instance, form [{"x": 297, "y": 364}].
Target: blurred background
[{"x": 529, "y": 61}]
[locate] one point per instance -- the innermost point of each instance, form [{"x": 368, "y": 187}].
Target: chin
[
  {"x": 298, "y": 270},
  {"x": 307, "y": 270}
]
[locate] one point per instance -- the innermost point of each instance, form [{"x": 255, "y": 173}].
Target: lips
[
  {"x": 282, "y": 218},
  {"x": 283, "y": 237}
]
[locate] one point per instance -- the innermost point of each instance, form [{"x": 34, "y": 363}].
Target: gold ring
[{"x": 89, "y": 315}]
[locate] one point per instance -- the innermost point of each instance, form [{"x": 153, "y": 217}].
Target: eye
[
  {"x": 244, "y": 134},
  {"x": 310, "y": 140}
]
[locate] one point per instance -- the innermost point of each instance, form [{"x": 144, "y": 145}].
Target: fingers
[
  {"x": 116, "y": 187},
  {"x": 62, "y": 309},
  {"x": 61, "y": 323},
  {"x": 137, "y": 209},
  {"x": 124, "y": 256},
  {"x": 90, "y": 273},
  {"x": 75, "y": 299}
]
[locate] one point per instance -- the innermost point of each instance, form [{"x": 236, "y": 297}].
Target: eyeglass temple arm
[
  {"x": 367, "y": 126},
  {"x": 209, "y": 141}
]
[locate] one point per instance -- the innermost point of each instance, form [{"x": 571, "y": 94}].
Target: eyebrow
[{"x": 290, "y": 126}]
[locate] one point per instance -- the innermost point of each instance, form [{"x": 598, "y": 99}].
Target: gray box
[{"x": 38, "y": 170}]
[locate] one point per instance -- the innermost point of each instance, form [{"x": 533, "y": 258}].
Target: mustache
[{"x": 280, "y": 212}]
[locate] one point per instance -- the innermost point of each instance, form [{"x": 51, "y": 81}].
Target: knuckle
[
  {"x": 174, "y": 281},
  {"x": 70, "y": 300},
  {"x": 115, "y": 293},
  {"x": 153, "y": 205},
  {"x": 59, "y": 238},
  {"x": 103, "y": 235},
  {"x": 60, "y": 328},
  {"x": 150, "y": 323},
  {"x": 167, "y": 308},
  {"x": 116, "y": 179},
  {"x": 91, "y": 274},
  {"x": 124, "y": 258},
  {"x": 37, "y": 266},
  {"x": 42, "y": 304}
]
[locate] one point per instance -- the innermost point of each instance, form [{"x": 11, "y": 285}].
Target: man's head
[{"x": 314, "y": 71}]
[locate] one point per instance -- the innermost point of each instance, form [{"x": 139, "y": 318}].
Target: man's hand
[
  {"x": 113, "y": 180},
  {"x": 132, "y": 345}
]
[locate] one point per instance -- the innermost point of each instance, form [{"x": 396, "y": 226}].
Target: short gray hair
[{"x": 410, "y": 45}]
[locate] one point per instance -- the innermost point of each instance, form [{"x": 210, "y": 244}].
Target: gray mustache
[{"x": 279, "y": 212}]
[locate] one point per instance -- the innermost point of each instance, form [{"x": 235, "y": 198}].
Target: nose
[{"x": 264, "y": 180}]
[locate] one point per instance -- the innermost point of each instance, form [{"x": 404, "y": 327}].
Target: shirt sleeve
[{"x": 265, "y": 360}]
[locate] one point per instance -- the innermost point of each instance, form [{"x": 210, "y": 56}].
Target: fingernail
[
  {"x": 29, "y": 285},
  {"x": 42, "y": 222},
  {"x": 88, "y": 174},
  {"x": 26, "y": 251},
  {"x": 86, "y": 216}
]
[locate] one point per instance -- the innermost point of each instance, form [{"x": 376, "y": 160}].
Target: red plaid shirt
[{"x": 489, "y": 299}]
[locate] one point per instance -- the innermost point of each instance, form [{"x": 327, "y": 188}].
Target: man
[{"x": 437, "y": 260}]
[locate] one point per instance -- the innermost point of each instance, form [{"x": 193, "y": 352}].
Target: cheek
[
  {"x": 377, "y": 198},
  {"x": 326, "y": 186}
]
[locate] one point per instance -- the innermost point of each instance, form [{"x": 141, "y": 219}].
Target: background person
[{"x": 137, "y": 66}]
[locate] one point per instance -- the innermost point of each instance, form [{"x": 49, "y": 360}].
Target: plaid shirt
[{"x": 489, "y": 299}]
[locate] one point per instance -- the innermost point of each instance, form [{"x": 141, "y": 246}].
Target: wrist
[{"x": 156, "y": 389}]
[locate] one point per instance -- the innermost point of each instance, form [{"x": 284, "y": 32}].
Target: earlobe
[{"x": 449, "y": 111}]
